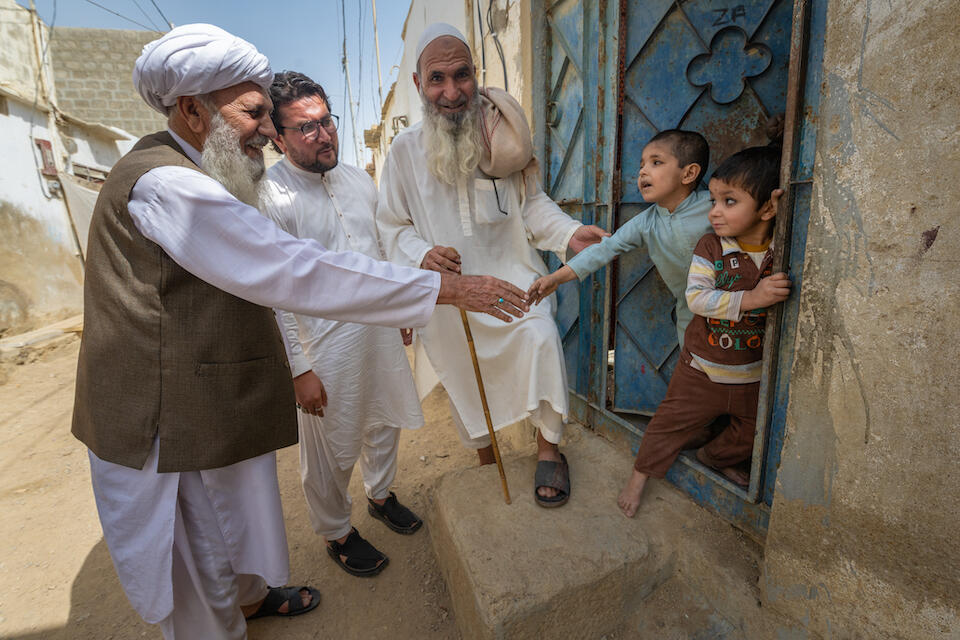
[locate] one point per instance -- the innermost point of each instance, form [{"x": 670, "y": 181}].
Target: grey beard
[
  {"x": 224, "y": 161},
  {"x": 454, "y": 147}
]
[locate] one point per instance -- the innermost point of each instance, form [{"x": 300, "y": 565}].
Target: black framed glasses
[
  {"x": 311, "y": 129},
  {"x": 497, "y": 194}
]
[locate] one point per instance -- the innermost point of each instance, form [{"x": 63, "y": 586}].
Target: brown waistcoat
[{"x": 166, "y": 355}]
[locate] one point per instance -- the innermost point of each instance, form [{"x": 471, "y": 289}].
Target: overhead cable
[
  {"x": 120, "y": 15},
  {"x": 137, "y": 4},
  {"x": 170, "y": 24}
]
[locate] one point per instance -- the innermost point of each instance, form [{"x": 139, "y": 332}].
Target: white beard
[
  {"x": 224, "y": 161},
  {"x": 454, "y": 147}
]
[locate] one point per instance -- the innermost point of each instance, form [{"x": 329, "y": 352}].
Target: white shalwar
[
  {"x": 218, "y": 534},
  {"x": 497, "y": 226},
  {"x": 364, "y": 369}
]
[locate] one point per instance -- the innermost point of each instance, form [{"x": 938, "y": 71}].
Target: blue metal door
[
  {"x": 718, "y": 68},
  {"x": 561, "y": 36},
  {"x": 608, "y": 75},
  {"x": 575, "y": 109}
]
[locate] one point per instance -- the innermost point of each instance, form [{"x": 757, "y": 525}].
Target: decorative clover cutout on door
[{"x": 731, "y": 60}]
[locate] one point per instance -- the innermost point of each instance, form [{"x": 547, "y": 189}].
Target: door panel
[
  {"x": 719, "y": 69},
  {"x": 561, "y": 42}
]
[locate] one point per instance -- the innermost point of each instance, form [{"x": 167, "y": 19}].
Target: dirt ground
[{"x": 56, "y": 577}]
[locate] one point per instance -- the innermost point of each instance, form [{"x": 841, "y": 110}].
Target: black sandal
[
  {"x": 362, "y": 558},
  {"x": 291, "y": 595},
  {"x": 395, "y": 515},
  {"x": 555, "y": 475}
]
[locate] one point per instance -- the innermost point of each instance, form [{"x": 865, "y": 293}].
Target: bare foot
[
  {"x": 547, "y": 451},
  {"x": 629, "y": 498},
  {"x": 250, "y": 609}
]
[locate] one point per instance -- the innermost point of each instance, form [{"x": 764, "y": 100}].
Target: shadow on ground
[{"x": 98, "y": 607}]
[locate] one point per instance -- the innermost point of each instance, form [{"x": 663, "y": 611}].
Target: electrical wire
[
  {"x": 496, "y": 42},
  {"x": 120, "y": 15},
  {"x": 483, "y": 45},
  {"x": 137, "y": 4},
  {"x": 170, "y": 24},
  {"x": 359, "y": 60}
]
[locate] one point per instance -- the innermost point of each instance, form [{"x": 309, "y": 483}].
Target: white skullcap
[
  {"x": 193, "y": 59},
  {"x": 438, "y": 30}
]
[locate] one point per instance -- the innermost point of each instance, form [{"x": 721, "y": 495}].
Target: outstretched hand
[
  {"x": 486, "y": 294},
  {"x": 541, "y": 288},
  {"x": 585, "y": 236}
]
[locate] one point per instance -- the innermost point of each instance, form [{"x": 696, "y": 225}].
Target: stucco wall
[
  {"x": 40, "y": 273},
  {"x": 93, "y": 70},
  {"x": 863, "y": 533}
]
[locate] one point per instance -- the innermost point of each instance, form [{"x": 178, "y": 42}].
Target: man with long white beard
[
  {"x": 352, "y": 381},
  {"x": 183, "y": 390},
  {"x": 460, "y": 192}
]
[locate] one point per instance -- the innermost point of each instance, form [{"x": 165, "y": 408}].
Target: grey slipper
[{"x": 555, "y": 475}]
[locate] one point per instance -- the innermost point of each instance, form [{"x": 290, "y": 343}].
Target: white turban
[
  {"x": 438, "y": 30},
  {"x": 194, "y": 59}
]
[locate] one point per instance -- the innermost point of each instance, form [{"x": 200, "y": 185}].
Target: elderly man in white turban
[
  {"x": 460, "y": 192},
  {"x": 183, "y": 389}
]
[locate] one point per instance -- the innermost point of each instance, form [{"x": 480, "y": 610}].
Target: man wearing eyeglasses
[
  {"x": 352, "y": 381},
  {"x": 454, "y": 199}
]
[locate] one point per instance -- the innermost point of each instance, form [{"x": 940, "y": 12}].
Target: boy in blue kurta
[{"x": 671, "y": 167}]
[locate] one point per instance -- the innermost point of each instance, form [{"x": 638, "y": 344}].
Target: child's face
[
  {"x": 736, "y": 214},
  {"x": 661, "y": 177}
]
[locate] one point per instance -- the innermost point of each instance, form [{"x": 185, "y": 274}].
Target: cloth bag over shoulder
[{"x": 508, "y": 146}]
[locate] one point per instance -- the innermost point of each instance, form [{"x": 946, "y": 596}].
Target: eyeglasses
[
  {"x": 497, "y": 194},
  {"x": 311, "y": 129}
]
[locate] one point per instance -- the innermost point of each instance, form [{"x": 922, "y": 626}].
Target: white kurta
[
  {"x": 230, "y": 245},
  {"x": 497, "y": 227},
  {"x": 363, "y": 368}
]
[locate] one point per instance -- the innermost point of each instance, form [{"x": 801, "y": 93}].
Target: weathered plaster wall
[
  {"x": 863, "y": 536},
  {"x": 93, "y": 68},
  {"x": 510, "y": 20},
  {"x": 40, "y": 273}
]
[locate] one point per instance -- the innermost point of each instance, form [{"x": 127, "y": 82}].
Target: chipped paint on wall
[{"x": 862, "y": 528}]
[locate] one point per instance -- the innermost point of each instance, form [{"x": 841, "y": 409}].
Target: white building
[{"x": 49, "y": 175}]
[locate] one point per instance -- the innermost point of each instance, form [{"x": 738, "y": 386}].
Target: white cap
[{"x": 438, "y": 30}]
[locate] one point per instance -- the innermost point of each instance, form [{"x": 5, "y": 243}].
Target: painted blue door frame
[{"x": 610, "y": 74}]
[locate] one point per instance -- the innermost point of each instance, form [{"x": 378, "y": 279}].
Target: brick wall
[{"x": 92, "y": 71}]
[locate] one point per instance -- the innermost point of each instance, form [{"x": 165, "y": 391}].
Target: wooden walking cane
[{"x": 486, "y": 409}]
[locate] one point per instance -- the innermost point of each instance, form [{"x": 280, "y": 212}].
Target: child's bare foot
[{"x": 629, "y": 498}]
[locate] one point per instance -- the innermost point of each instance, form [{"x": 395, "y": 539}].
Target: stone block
[{"x": 521, "y": 571}]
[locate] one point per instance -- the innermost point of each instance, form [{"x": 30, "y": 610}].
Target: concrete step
[
  {"x": 674, "y": 571},
  {"x": 522, "y": 571}
]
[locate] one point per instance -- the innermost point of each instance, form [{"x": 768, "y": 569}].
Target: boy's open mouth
[{"x": 645, "y": 184}]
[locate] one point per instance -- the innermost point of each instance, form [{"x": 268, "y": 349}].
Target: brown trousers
[{"x": 692, "y": 403}]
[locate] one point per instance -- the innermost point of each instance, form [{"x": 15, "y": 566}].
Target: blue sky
[{"x": 299, "y": 35}]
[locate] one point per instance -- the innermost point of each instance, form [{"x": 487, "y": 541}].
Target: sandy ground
[{"x": 56, "y": 577}]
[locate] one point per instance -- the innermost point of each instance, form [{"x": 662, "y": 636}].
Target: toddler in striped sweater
[{"x": 729, "y": 288}]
